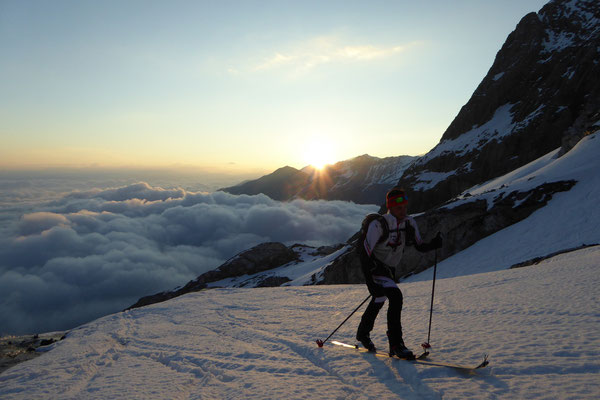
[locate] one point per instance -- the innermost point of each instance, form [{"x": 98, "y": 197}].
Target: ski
[{"x": 421, "y": 359}]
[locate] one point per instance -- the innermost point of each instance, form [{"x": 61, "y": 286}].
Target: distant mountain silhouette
[
  {"x": 283, "y": 184},
  {"x": 364, "y": 180}
]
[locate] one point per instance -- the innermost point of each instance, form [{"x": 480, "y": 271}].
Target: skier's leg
[
  {"x": 368, "y": 321},
  {"x": 394, "y": 314}
]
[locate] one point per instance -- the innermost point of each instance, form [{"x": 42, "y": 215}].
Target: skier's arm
[
  {"x": 367, "y": 263},
  {"x": 374, "y": 233}
]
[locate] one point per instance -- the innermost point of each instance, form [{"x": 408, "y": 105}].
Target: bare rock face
[
  {"x": 541, "y": 93},
  {"x": 260, "y": 258},
  {"x": 263, "y": 257}
]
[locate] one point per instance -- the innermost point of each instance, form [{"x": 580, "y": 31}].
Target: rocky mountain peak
[{"x": 542, "y": 91}]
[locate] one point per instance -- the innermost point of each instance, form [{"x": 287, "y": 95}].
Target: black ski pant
[{"x": 394, "y": 312}]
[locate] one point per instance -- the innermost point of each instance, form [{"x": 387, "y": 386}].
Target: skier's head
[{"x": 397, "y": 202}]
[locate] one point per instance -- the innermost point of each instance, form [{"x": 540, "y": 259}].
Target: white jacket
[{"x": 389, "y": 251}]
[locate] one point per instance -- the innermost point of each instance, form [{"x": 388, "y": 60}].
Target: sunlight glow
[{"x": 320, "y": 153}]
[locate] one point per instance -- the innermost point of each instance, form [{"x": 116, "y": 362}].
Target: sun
[{"x": 319, "y": 153}]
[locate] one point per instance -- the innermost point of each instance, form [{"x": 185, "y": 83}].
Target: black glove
[{"x": 436, "y": 242}]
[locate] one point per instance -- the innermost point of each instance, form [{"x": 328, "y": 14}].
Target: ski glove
[{"x": 436, "y": 243}]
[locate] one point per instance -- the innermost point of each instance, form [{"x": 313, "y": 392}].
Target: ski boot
[
  {"x": 365, "y": 340},
  {"x": 399, "y": 350}
]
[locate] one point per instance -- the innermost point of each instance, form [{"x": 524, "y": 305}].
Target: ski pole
[
  {"x": 321, "y": 342},
  {"x": 426, "y": 345}
]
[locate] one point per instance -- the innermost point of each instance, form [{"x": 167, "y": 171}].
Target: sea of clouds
[{"x": 67, "y": 258}]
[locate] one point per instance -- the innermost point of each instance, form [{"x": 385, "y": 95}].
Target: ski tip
[{"x": 319, "y": 342}]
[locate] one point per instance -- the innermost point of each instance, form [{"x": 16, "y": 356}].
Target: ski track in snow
[{"x": 538, "y": 324}]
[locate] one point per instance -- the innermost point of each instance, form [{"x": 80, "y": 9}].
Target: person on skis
[{"x": 379, "y": 256}]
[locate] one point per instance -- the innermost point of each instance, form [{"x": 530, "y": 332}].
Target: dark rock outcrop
[{"x": 260, "y": 258}]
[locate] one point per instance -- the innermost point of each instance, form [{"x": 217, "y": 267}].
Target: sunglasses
[{"x": 397, "y": 200}]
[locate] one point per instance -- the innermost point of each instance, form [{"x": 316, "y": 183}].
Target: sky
[{"x": 238, "y": 85}]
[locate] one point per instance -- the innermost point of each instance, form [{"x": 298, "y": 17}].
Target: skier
[{"x": 379, "y": 256}]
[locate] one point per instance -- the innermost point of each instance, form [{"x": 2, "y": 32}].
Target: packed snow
[{"x": 539, "y": 326}]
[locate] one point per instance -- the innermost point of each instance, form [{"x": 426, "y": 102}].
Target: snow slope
[
  {"x": 571, "y": 219},
  {"x": 538, "y": 324}
]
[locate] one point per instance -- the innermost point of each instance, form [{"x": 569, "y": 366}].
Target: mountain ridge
[{"x": 363, "y": 179}]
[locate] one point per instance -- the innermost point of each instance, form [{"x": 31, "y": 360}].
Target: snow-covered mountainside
[
  {"x": 569, "y": 220},
  {"x": 542, "y": 91},
  {"x": 539, "y": 326},
  {"x": 363, "y": 180}
]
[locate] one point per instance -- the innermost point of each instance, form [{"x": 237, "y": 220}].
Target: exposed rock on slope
[{"x": 263, "y": 257}]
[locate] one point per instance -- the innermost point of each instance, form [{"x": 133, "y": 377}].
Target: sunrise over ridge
[{"x": 150, "y": 83}]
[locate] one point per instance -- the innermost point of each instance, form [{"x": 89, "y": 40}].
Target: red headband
[{"x": 396, "y": 201}]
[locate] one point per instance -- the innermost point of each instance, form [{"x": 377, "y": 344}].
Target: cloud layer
[{"x": 90, "y": 253}]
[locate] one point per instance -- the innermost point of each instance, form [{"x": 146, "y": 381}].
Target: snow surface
[
  {"x": 499, "y": 125},
  {"x": 498, "y": 76},
  {"x": 538, "y": 324},
  {"x": 570, "y": 219}
]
